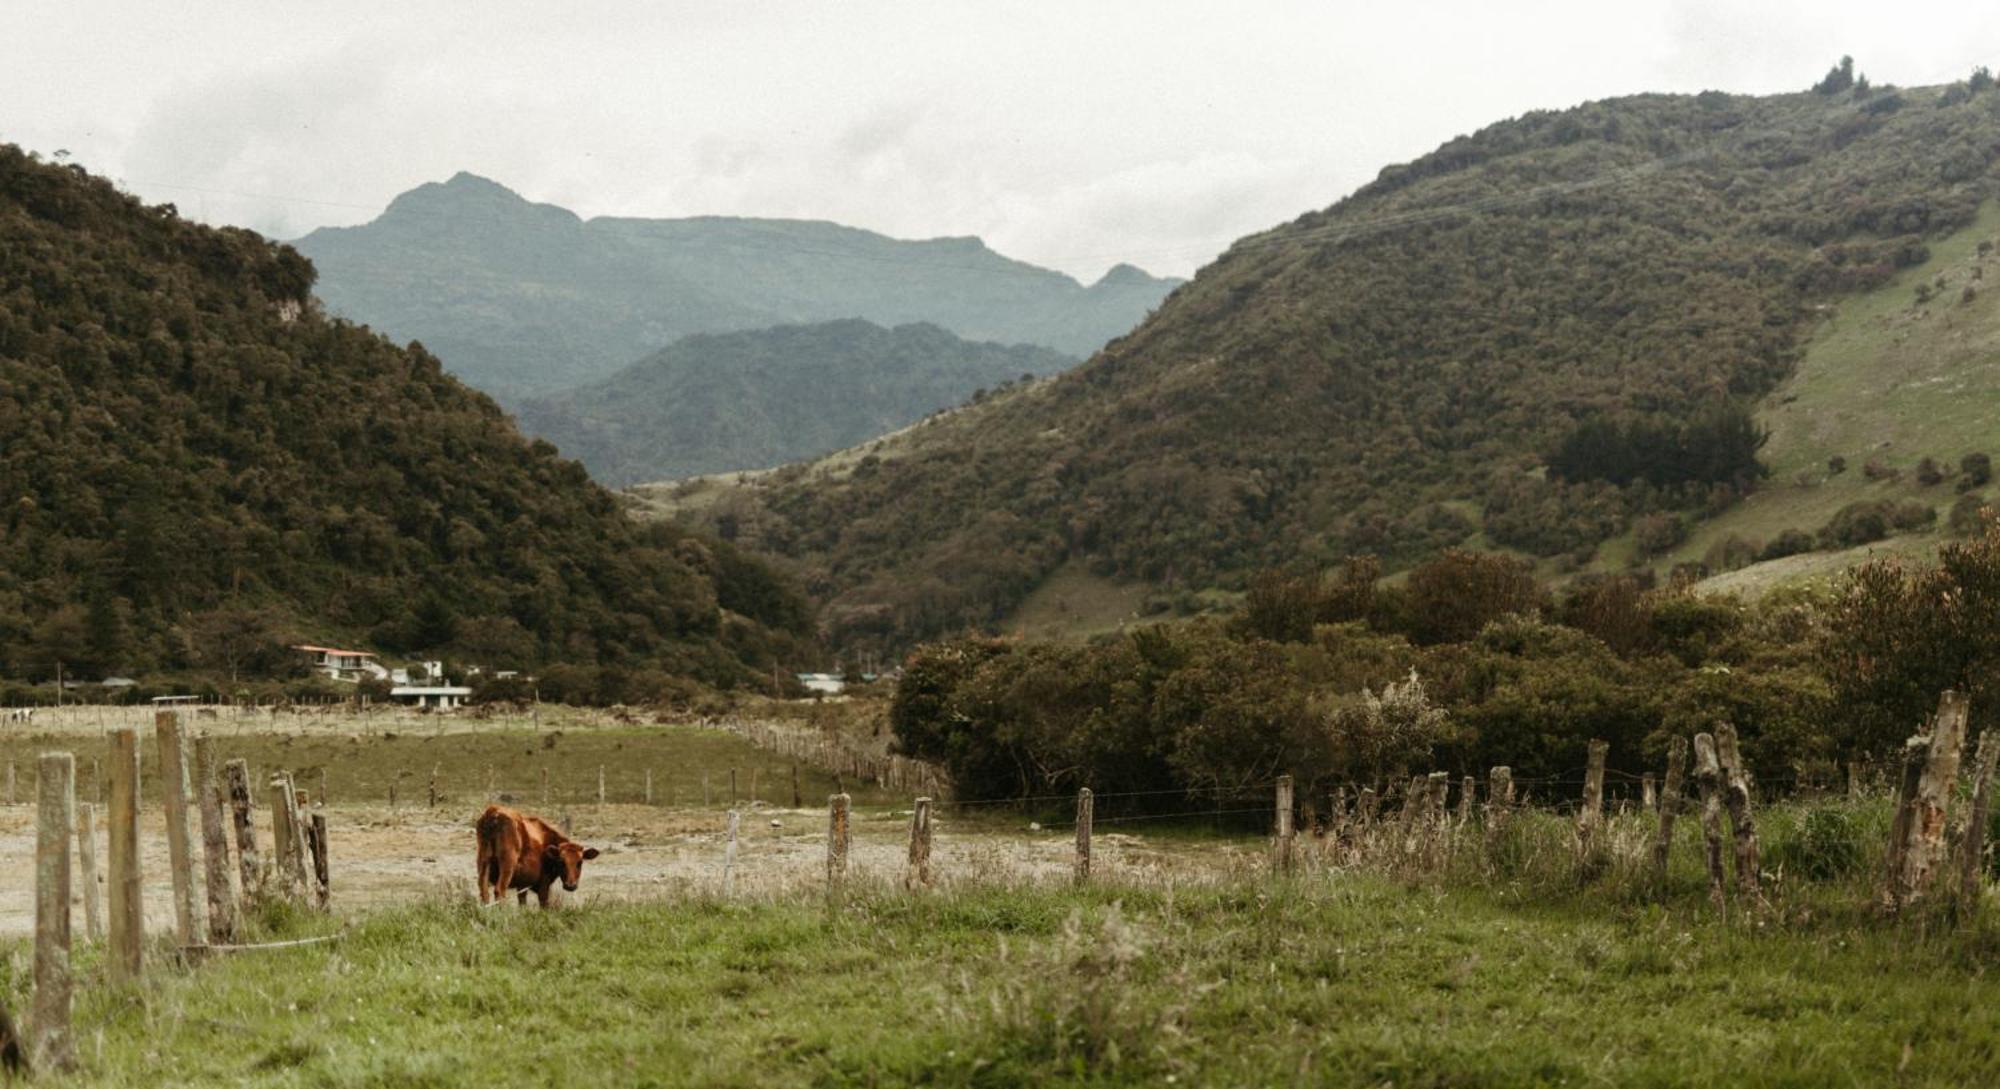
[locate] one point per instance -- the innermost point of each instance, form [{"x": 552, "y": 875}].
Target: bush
[
  {"x": 1928, "y": 472},
  {"x": 1967, "y": 514},
  {"x": 1877, "y": 469},
  {"x": 1789, "y": 543},
  {"x": 1658, "y": 533},
  {"x": 1731, "y": 553},
  {"x": 1836, "y": 465},
  {"x": 1974, "y": 470},
  {"x": 1856, "y": 524},
  {"x": 1827, "y": 843}
]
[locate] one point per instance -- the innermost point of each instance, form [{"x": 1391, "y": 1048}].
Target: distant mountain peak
[
  {"x": 1124, "y": 275},
  {"x": 465, "y": 191}
]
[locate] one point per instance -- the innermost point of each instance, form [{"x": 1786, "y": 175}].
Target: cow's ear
[{"x": 589, "y": 853}]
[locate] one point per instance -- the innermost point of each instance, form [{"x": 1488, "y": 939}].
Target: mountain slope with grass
[
  {"x": 195, "y": 464},
  {"x": 521, "y": 299},
  {"x": 726, "y": 401},
  {"x": 1526, "y": 340}
]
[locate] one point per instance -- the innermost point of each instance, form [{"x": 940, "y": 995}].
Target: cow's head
[{"x": 568, "y": 859}]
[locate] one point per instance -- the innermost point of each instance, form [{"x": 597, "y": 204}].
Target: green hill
[
  {"x": 725, "y": 401},
  {"x": 193, "y": 460},
  {"x": 1527, "y": 340},
  {"x": 521, "y": 299}
]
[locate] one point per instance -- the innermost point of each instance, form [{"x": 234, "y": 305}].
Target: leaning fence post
[
  {"x": 190, "y": 920},
  {"x": 56, "y": 794},
  {"x": 1592, "y": 815},
  {"x": 251, "y": 869},
  {"x": 1925, "y": 849},
  {"x": 836, "y": 843},
  {"x": 1670, "y": 803},
  {"x": 1284, "y": 824},
  {"x": 918, "y": 875},
  {"x": 86, "y": 862},
  {"x": 127, "y": 914},
  {"x": 1736, "y": 793},
  {"x": 214, "y": 844},
  {"x": 1973, "y": 860},
  {"x": 322, "y": 874},
  {"x": 1708, "y": 776},
  {"x": 1085, "y": 805}
]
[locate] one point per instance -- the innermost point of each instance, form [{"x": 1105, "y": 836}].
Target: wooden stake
[
  {"x": 127, "y": 911},
  {"x": 434, "y": 785},
  {"x": 918, "y": 876},
  {"x": 836, "y": 843},
  {"x": 1466, "y": 790},
  {"x": 322, "y": 877},
  {"x": 1670, "y": 803},
  {"x": 600, "y": 786},
  {"x": 1708, "y": 776},
  {"x": 1925, "y": 854},
  {"x": 236, "y": 776},
  {"x": 190, "y": 916},
  {"x": 729, "y": 858},
  {"x": 86, "y": 861},
  {"x": 1283, "y": 857},
  {"x": 285, "y": 858},
  {"x": 214, "y": 844},
  {"x": 1736, "y": 794},
  {"x": 1591, "y": 817},
  {"x": 1085, "y": 805},
  {"x": 797, "y": 801},
  {"x": 1916, "y": 750},
  {"x": 1972, "y": 860},
  {"x": 56, "y": 793}
]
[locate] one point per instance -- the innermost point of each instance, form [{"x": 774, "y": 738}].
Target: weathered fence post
[
  {"x": 919, "y": 874},
  {"x": 1086, "y": 804},
  {"x": 1649, "y": 798},
  {"x": 1736, "y": 793},
  {"x": 250, "y": 868},
  {"x": 190, "y": 920},
  {"x": 600, "y": 786},
  {"x": 1467, "y": 789},
  {"x": 1591, "y": 817},
  {"x": 1499, "y": 799},
  {"x": 55, "y": 789},
  {"x": 1708, "y": 776},
  {"x": 1915, "y": 750},
  {"x": 797, "y": 802},
  {"x": 127, "y": 911},
  {"x": 214, "y": 844},
  {"x": 86, "y": 861},
  {"x": 1284, "y": 845},
  {"x": 1924, "y": 851},
  {"x": 729, "y": 857},
  {"x": 434, "y": 785},
  {"x": 286, "y": 835},
  {"x": 322, "y": 872},
  {"x": 836, "y": 843},
  {"x": 1670, "y": 803},
  {"x": 1972, "y": 862}
]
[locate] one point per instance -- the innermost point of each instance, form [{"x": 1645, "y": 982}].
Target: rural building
[
  {"x": 829, "y": 683},
  {"x": 437, "y": 697},
  {"x": 344, "y": 665}
]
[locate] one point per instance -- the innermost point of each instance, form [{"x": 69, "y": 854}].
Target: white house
[
  {"x": 438, "y": 697},
  {"x": 829, "y": 683},
  {"x": 344, "y": 665}
]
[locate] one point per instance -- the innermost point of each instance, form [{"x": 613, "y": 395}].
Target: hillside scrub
[
  {"x": 1392, "y": 375},
  {"x": 199, "y": 467}
]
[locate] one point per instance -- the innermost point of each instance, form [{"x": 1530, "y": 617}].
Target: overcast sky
[{"x": 1073, "y": 134}]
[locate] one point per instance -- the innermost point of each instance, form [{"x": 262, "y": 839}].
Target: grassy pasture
[{"x": 1187, "y": 963}]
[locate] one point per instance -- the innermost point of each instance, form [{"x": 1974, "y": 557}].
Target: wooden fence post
[
  {"x": 1499, "y": 799},
  {"x": 55, "y": 790},
  {"x": 434, "y": 785},
  {"x": 1670, "y": 803},
  {"x": 86, "y": 861},
  {"x": 1736, "y": 795},
  {"x": 214, "y": 844},
  {"x": 1924, "y": 853},
  {"x": 600, "y": 786},
  {"x": 236, "y": 773},
  {"x": 1708, "y": 776},
  {"x": 1591, "y": 817},
  {"x": 1468, "y": 788},
  {"x": 729, "y": 857},
  {"x": 836, "y": 843},
  {"x": 649, "y": 786},
  {"x": 1284, "y": 824},
  {"x": 190, "y": 918},
  {"x": 1915, "y": 751},
  {"x": 919, "y": 874},
  {"x": 284, "y": 835},
  {"x": 127, "y": 910},
  {"x": 1086, "y": 805},
  {"x": 322, "y": 872},
  {"x": 1972, "y": 862},
  {"x": 1649, "y": 798},
  {"x": 797, "y": 802}
]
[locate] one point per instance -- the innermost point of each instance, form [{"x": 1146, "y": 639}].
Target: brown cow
[{"x": 517, "y": 851}]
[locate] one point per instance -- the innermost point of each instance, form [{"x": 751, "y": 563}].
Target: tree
[
  {"x": 1837, "y": 79},
  {"x": 1974, "y": 470},
  {"x": 234, "y": 639},
  {"x": 1455, "y": 595}
]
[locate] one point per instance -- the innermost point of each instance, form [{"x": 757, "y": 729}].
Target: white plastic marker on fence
[
  {"x": 836, "y": 843},
  {"x": 190, "y": 916},
  {"x": 729, "y": 858},
  {"x": 1086, "y": 803},
  {"x": 1283, "y": 852},
  {"x": 127, "y": 914},
  {"x": 56, "y": 791},
  {"x": 918, "y": 876}
]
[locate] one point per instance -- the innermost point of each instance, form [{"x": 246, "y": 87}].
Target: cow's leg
[
  {"x": 522, "y": 899},
  {"x": 542, "y": 894},
  {"x": 486, "y": 873},
  {"x": 503, "y": 878}
]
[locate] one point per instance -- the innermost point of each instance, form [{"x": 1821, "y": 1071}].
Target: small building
[
  {"x": 828, "y": 683},
  {"x": 344, "y": 665},
  {"x": 437, "y": 697}
]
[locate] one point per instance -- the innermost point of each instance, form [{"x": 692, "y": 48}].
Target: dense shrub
[
  {"x": 1827, "y": 843},
  {"x": 1974, "y": 470},
  {"x": 1791, "y": 542}
]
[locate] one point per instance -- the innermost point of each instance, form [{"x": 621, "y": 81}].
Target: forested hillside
[
  {"x": 1526, "y": 339},
  {"x": 719, "y": 402},
  {"x": 520, "y": 298},
  {"x": 195, "y": 464}
]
